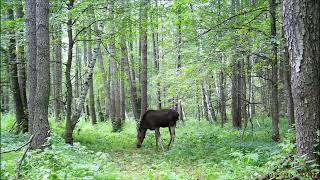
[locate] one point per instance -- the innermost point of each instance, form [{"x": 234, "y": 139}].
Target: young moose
[{"x": 153, "y": 120}]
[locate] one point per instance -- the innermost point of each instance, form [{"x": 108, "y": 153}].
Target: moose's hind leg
[{"x": 158, "y": 138}]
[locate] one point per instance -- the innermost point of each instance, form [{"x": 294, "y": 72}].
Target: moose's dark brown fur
[{"x": 153, "y": 120}]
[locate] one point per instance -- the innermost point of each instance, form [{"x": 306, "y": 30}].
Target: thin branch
[
  {"x": 84, "y": 28},
  {"x": 23, "y": 157},
  {"x": 17, "y": 149}
]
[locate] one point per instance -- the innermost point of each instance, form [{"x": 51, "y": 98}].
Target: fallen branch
[
  {"x": 13, "y": 126},
  {"x": 22, "y": 158},
  {"x": 17, "y": 149}
]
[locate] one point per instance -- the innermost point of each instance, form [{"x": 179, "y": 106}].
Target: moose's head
[{"x": 141, "y": 134}]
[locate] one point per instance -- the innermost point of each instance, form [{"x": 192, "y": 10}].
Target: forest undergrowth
[{"x": 201, "y": 151}]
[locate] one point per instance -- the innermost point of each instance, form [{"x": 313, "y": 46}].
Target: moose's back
[{"x": 159, "y": 118}]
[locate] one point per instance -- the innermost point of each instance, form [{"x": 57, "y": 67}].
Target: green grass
[{"x": 201, "y": 151}]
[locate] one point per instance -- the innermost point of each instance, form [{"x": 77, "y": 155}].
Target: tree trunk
[
  {"x": 235, "y": 93},
  {"x": 58, "y": 106},
  {"x": 21, "y": 60},
  {"x": 274, "y": 76},
  {"x": 21, "y": 120},
  {"x": 40, "y": 122},
  {"x": 31, "y": 58},
  {"x": 106, "y": 84},
  {"x": 205, "y": 105},
  {"x": 126, "y": 67},
  {"x": 222, "y": 98},
  {"x": 84, "y": 90},
  {"x": 69, "y": 123},
  {"x": 301, "y": 21},
  {"x": 144, "y": 58},
  {"x": 244, "y": 101},
  {"x": 91, "y": 90},
  {"x": 76, "y": 76},
  {"x": 100, "y": 114},
  {"x": 287, "y": 84},
  {"x": 114, "y": 93},
  {"x": 211, "y": 112},
  {"x": 155, "y": 42}
]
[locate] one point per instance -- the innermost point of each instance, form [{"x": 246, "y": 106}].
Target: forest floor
[{"x": 201, "y": 151}]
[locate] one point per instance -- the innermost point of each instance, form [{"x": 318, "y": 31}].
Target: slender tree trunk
[
  {"x": 144, "y": 56},
  {"x": 18, "y": 105},
  {"x": 114, "y": 93},
  {"x": 84, "y": 90},
  {"x": 69, "y": 123},
  {"x": 126, "y": 67},
  {"x": 91, "y": 90},
  {"x": 235, "y": 93},
  {"x": 21, "y": 60},
  {"x": 244, "y": 101},
  {"x": 58, "y": 106},
  {"x": 100, "y": 114},
  {"x": 106, "y": 82},
  {"x": 205, "y": 105},
  {"x": 211, "y": 112},
  {"x": 40, "y": 121},
  {"x": 155, "y": 42},
  {"x": 301, "y": 21},
  {"x": 287, "y": 84},
  {"x": 223, "y": 112},
  {"x": 274, "y": 69},
  {"x": 31, "y": 58},
  {"x": 76, "y": 76}
]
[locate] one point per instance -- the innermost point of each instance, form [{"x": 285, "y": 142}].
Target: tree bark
[
  {"x": 301, "y": 21},
  {"x": 21, "y": 120},
  {"x": 205, "y": 105},
  {"x": 91, "y": 90},
  {"x": 104, "y": 74},
  {"x": 274, "y": 76},
  {"x": 21, "y": 60},
  {"x": 155, "y": 42},
  {"x": 126, "y": 68},
  {"x": 69, "y": 123},
  {"x": 222, "y": 98},
  {"x": 287, "y": 84},
  {"x": 235, "y": 93},
  {"x": 144, "y": 58},
  {"x": 211, "y": 112},
  {"x": 40, "y": 123},
  {"x": 244, "y": 101},
  {"x": 58, "y": 106},
  {"x": 31, "y": 58}
]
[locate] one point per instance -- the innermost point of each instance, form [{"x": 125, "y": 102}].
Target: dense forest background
[{"x": 77, "y": 76}]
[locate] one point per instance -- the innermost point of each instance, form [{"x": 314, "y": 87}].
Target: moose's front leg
[
  {"x": 158, "y": 138},
  {"x": 172, "y": 135}
]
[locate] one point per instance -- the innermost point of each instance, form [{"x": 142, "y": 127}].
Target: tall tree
[
  {"x": 155, "y": 43},
  {"x": 31, "y": 58},
  {"x": 235, "y": 95},
  {"x": 301, "y": 21},
  {"x": 287, "y": 84},
  {"x": 91, "y": 90},
  {"x": 274, "y": 71},
  {"x": 126, "y": 67},
  {"x": 144, "y": 56},
  {"x": 58, "y": 106},
  {"x": 40, "y": 123},
  {"x": 69, "y": 123},
  {"x": 106, "y": 80},
  {"x": 21, "y": 58},
  {"x": 236, "y": 81},
  {"x": 21, "y": 120}
]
